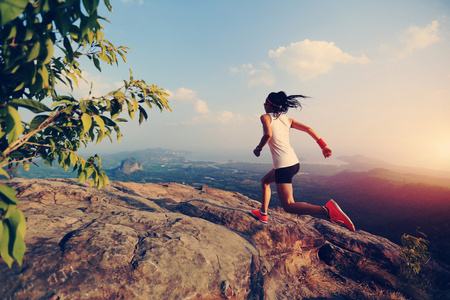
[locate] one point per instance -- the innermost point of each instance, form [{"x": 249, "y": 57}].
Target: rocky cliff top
[{"x": 171, "y": 241}]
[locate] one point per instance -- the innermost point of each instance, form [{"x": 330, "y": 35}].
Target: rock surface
[
  {"x": 171, "y": 241},
  {"x": 128, "y": 166}
]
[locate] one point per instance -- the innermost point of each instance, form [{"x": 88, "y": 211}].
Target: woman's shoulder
[
  {"x": 284, "y": 117},
  {"x": 265, "y": 117}
]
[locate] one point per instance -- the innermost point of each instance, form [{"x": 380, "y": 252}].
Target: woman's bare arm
[
  {"x": 326, "y": 151},
  {"x": 267, "y": 134}
]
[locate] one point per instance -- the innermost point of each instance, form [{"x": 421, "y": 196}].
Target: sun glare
[{"x": 443, "y": 154}]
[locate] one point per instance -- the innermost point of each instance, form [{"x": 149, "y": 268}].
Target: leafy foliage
[
  {"x": 415, "y": 252},
  {"x": 31, "y": 33}
]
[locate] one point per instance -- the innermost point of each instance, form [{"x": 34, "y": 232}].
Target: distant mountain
[
  {"x": 393, "y": 176},
  {"x": 128, "y": 166},
  {"x": 146, "y": 156},
  {"x": 363, "y": 163}
]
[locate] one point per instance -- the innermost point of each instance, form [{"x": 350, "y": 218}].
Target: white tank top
[{"x": 283, "y": 155}]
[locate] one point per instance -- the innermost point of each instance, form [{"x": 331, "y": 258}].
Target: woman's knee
[
  {"x": 266, "y": 181},
  {"x": 288, "y": 208}
]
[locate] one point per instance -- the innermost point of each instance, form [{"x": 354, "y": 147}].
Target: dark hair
[{"x": 281, "y": 102}]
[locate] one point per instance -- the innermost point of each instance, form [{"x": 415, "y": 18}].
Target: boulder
[{"x": 172, "y": 241}]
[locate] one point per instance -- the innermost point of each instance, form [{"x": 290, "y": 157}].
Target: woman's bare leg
[
  {"x": 286, "y": 196},
  {"x": 266, "y": 192}
]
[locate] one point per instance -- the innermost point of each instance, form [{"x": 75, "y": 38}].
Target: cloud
[
  {"x": 418, "y": 38},
  {"x": 309, "y": 59},
  {"x": 205, "y": 116},
  {"x": 254, "y": 76},
  {"x": 189, "y": 96},
  {"x": 183, "y": 95},
  {"x": 413, "y": 38},
  {"x": 224, "y": 117},
  {"x": 201, "y": 107},
  {"x": 193, "y": 121},
  {"x": 243, "y": 69},
  {"x": 228, "y": 117}
]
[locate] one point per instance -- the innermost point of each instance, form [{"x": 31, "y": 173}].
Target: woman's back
[{"x": 283, "y": 154}]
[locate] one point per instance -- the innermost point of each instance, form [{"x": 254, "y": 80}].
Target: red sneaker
[
  {"x": 337, "y": 216},
  {"x": 260, "y": 217}
]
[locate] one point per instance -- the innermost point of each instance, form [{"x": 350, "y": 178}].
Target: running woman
[{"x": 276, "y": 127}]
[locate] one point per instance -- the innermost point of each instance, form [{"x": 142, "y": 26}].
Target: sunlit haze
[{"x": 377, "y": 72}]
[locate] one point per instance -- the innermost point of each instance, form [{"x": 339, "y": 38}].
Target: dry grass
[
  {"x": 376, "y": 293},
  {"x": 372, "y": 272}
]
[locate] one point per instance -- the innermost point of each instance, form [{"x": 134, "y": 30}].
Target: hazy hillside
[
  {"x": 146, "y": 156},
  {"x": 362, "y": 163}
]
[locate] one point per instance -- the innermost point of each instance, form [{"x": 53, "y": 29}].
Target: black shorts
[{"x": 284, "y": 175}]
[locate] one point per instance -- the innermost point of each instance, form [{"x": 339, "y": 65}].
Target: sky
[{"x": 377, "y": 74}]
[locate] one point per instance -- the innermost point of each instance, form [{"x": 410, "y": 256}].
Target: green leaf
[
  {"x": 100, "y": 136},
  {"x": 13, "y": 33},
  {"x": 13, "y": 124},
  {"x": 37, "y": 121},
  {"x": 45, "y": 5},
  {"x": 30, "y": 104},
  {"x": 65, "y": 101},
  {"x": 105, "y": 58},
  {"x": 130, "y": 110},
  {"x": 8, "y": 194},
  {"x": 10, "y": 210},
  {"x": 117, "y": 93},
  {"x": 4, "y": 207},
  {"x": 120, "y": 120},
  {"x": 105, "y": 178},
  {"x": 43, "y": 72},
  {"x": 100, "y": 122},
  {"x": 56, "y": 128},
  {"x": 50, "y": 49},
  {"x": 82, "y": 177},
  {"x": 142, "y": 115},
  {"x": 108, "y": 5},
  {"x": 90, "y": 5},
  {"x": 97, "y": 63},
  {"x": 20, "y": 86},
  {"x": 11, "y": 9},
  {"x": 19, "y": 228},
  {"x": 68, "y": 48},
  {"x": 87, "y": 122},
  {"x": 34, "y": 53},
  {"x": 4, "y": 173},
  {"x": 4, "y": 244},
  {"x": 89, "y": 170},
  {"x": 73, "y": 159},
  {"x": 1, "y": 229},
  {"x": 52, "y": 143},
  {"x": 108, "y": 121},
  {"x": 74, "y": 78}
]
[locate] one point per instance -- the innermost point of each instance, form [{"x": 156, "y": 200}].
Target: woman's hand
[
  {"x": 257, "y": 152},
  {"x": 327, "y": 152}
]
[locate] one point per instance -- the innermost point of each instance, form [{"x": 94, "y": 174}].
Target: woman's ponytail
[{"x": 281, "y": 102}]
